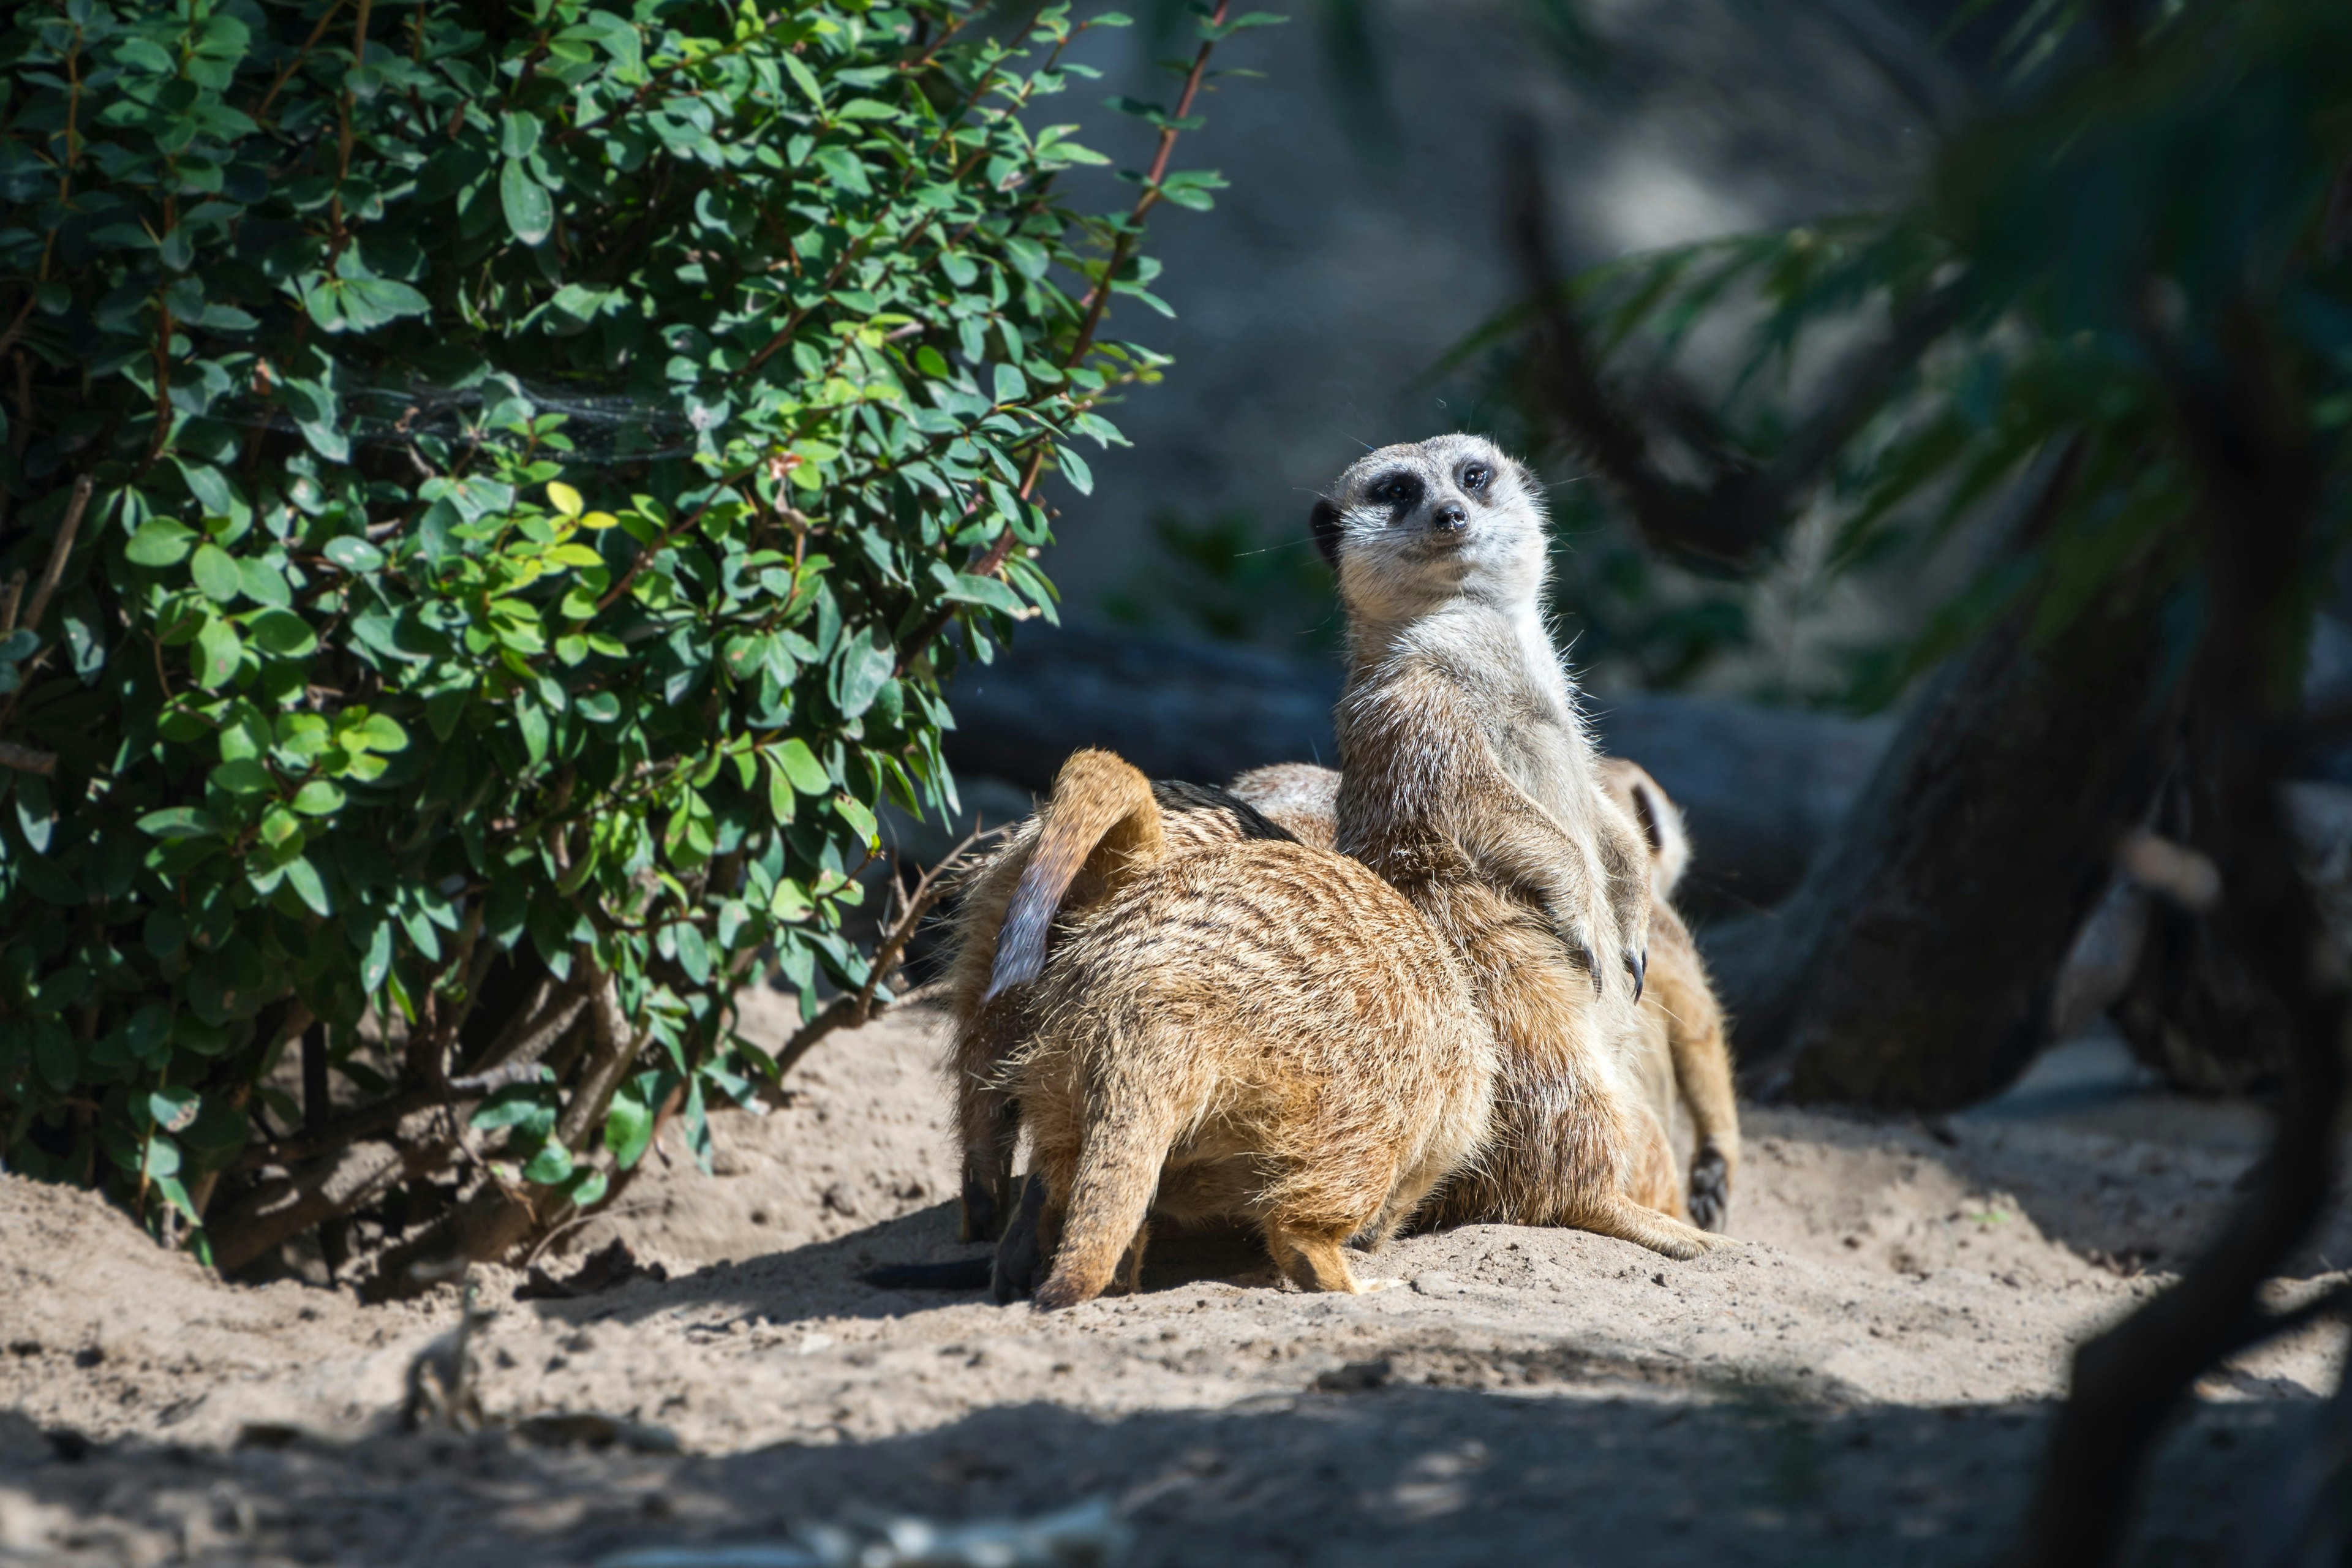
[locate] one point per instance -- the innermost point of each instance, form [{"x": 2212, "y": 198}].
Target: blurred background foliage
[{"x": 2130, "y": 180}]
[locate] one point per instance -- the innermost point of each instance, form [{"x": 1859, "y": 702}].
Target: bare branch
[
  {"x": 25, "y": 760},
  {"x": 59, "y": 548}
]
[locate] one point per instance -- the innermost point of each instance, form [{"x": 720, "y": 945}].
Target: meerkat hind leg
[
  {"x": 1622, "y": 1218},
  {"x": 1316, "y": 1262},
  {"x": 1129, "y": 1279}
]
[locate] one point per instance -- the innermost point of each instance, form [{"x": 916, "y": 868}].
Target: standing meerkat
[
  {"x": 1686, "y": 1060},
  {"x": 1468, "y": 783},
  {"x": 1256, "y": 1031}
]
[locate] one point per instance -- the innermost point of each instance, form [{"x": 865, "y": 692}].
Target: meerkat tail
[{"x": 1101, "y": 807}]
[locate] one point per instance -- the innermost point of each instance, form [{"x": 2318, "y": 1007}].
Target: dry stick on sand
[{"x": 2261, "y": 487}]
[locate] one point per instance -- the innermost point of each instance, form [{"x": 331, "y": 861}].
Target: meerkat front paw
[{"x": 1575, "y": 936}]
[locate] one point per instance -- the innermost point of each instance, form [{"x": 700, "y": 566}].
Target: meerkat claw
[{"x": 1637, "y": 964}]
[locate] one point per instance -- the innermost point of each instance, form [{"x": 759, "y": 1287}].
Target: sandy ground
[{"x": 1865, "y": 1380}]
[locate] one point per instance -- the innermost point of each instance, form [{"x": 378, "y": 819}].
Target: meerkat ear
[
  {"x": 1324, "y": 524},
  {"x": 1662, "y": 825}
]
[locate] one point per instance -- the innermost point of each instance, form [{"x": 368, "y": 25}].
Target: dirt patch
[{"x": 1872, "y": 1369}]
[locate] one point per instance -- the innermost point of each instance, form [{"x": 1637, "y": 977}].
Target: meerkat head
[{"x": 1410, "y": 529}]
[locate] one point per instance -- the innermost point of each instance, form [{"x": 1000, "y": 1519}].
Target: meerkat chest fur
[{"x": 1528, "y": 706}]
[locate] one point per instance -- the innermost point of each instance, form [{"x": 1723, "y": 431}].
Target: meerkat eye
[
  {"x": 1398, "y": 489},
  {"x": 1474, "y": 477}
]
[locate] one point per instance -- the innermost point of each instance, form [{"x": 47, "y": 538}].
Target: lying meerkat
[
  {"x": 1468, "y": 784},
  {"x": 1688, "y": 1057},
  {"x": 987, "y": 1027},
  {"x": 1686, "y": 1062},
  {"x": 1256, "y": 1031}
]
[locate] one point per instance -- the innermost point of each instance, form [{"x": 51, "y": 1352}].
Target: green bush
[{"x": 540, "y": 464}]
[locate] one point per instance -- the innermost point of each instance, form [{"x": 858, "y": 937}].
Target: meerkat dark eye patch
[
  {"x": 1323, "y": 522},
  {"x": 1399, "y": 490}
]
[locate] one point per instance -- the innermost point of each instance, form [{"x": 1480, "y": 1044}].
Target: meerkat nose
[{"x": 1451, "y": 516}]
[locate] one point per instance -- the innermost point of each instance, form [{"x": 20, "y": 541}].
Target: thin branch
[
  {"x": 59, "y": 548},
  {"x": 928, "y": 889},
  {"x": 25, "y": 760},
  {"x": 16, "y": 325}
]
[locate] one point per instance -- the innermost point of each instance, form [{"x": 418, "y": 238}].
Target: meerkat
[
  {"x": 1468, "y": 783},
  {"x": 987, "y": 1026},
  {"x": 1686, "y": 1062},
  {"x": 1255, "y": 1030},
  {"x": 1688, "y": 1055},
  {"x": 1302, "y": 798}
]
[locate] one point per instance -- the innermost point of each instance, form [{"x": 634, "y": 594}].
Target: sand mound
[{"x": 1872, "y": 1367}]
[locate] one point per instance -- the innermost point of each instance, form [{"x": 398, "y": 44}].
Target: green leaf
[
  {"x": 263, "y": 583},
  {"x": 214, "y": 570},
  {"x": 244, "y": 776},
  {"x": 218, "y": 654},
  {"x": 172, "y": 1110},
  {"x": 283, "y": 632},
  {"x": 353, "y": 554},
  {"x": 866, "y": 664},
  {"x": 179, "y": 821},
  {"x": 377, "y": 962},
  {"x": 160, "y": 541},
  {"x": 629, "y": 1123},
  {"x": 318, "y": 798},
  {"x": 304, "y": 879},
  {"x": 161, "y": 1159},
  {"x": 800, "y": 766},
  {"x": 861, "y": 821},
  {"x": 548, "y": 1166},
  {"x": 529, "y": 211},
  {"x": 804, "y": 78}
]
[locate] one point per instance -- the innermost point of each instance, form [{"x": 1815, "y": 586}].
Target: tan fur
[
  {"x": 1685, "y": 1063},
  {"x": 1688, "y": 1055},
  {"x": 1468, "y": 784},
  {"x": 1302, "y": 797},
  {"x": 986, "y": 1029},
  {"x": 1256, "y": 1031}
]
